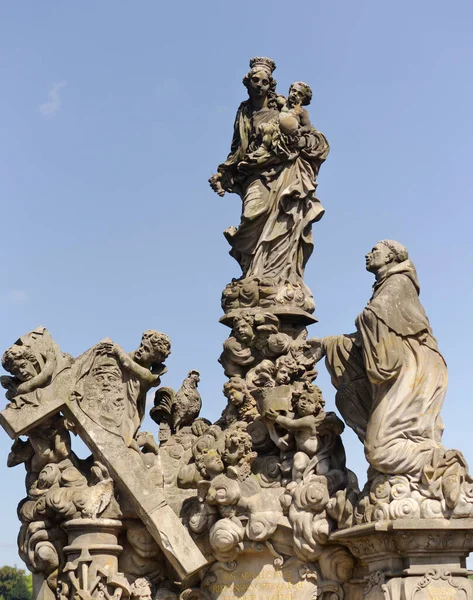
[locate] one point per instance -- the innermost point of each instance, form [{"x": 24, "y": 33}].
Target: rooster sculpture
[{"x": 178, "y": 409}]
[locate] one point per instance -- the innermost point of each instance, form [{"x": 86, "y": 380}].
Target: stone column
[{"x": 91, "y": 555}]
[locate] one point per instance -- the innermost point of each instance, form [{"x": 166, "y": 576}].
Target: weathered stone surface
[
  {"x": 396, "y": 413},
  {"x": 175, "y": 410},
  {"x": 391, "y": 381},
  {"x": 131, "y": 475},
  {"x": 274, "y": 160},
  {"x": 259, "y": 504},
  {"x": 260, "y": 574},
  {"x": 412, "y": 558},
  {"x": 102, "y": 396}
]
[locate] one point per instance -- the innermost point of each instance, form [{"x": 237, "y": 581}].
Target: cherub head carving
[
  {"x": 243, "y": 328},
  {"x": 300, "y": 93},
  {"x": 236, "y": 391},
  {"x": 155, "y": 347},
  {"x": 286, "y": 369},
  {"x": 309, "y": 400},
  {"x": 141, "y": 589},
  {"x": 209, "y": 463},
  {"x": 21, "y": 362}
]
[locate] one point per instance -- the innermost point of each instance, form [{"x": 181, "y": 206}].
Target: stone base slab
[{"x": 412, "y": 559}]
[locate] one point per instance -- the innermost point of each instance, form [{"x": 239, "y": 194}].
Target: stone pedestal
[
  {"x": 412, "y": 559},
  {"x": 91, "y": 554}
]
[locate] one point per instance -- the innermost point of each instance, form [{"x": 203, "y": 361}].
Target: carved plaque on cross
[{"x": 102, "y": 395}]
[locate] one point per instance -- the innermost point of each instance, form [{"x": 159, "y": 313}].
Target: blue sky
[{"x": 113, "y": 116}]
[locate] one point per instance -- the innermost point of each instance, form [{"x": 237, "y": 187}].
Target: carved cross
[{"x": 124, "y": 464}]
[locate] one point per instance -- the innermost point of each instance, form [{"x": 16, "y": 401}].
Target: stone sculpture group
[{"x": 259, "y": 504}]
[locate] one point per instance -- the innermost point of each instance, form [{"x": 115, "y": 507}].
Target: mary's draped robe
[{"x": 274, "y": 239}]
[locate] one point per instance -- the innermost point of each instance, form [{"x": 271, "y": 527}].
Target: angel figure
[{"x": 309, "y": 408}]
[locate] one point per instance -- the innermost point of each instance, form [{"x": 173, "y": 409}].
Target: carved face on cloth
[
  {"x": 105, "y": 384},
  {"x": 104, "y": 394},
  {"x": 107, "y": 378}
]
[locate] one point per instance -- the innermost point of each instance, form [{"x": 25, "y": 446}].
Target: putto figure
[
  {"x": 112, "y": 385},
  {"x": 273, "y": 164},
  {"x": 284, "y": 134},
  {"x": 33, "y": 361},
  {"x": 309, "y": 406}
]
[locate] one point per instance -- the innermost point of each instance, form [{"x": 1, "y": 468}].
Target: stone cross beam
[{"x": 126, "y": 468}]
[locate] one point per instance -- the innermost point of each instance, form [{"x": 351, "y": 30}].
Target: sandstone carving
[
  {"x": 273, "y": 163},
  {"x": 391, "y": 381},
  {"x": 175, "y": 410},
  {"x": 259, "y": 505}
]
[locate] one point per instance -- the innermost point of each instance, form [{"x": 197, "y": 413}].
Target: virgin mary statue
[{"x": 276, "y": 183}]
